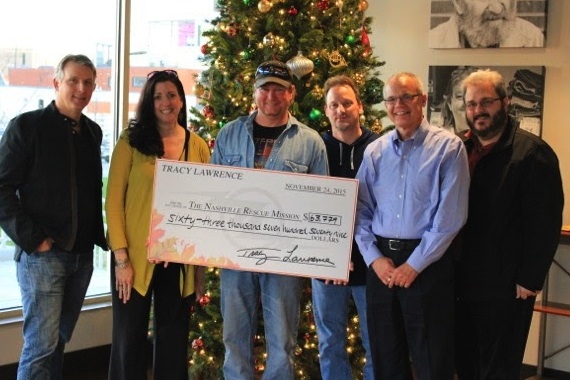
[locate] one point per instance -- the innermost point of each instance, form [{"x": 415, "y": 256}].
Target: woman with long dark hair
[{"x": 157, "y": 131}]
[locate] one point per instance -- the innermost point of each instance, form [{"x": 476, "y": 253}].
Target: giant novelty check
[{"x": 254, "y": 220}]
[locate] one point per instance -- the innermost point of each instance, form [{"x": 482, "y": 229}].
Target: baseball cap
[{"x": 273, "y": 72}]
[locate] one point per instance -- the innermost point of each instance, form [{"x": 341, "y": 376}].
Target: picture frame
[
  {"x": 496, "y": 24},
  {"x": 525, "y": 85}
]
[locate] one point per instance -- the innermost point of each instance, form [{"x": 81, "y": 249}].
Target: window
[
  {"x": 168, "y": 35},
  {"x": 138, "y": 82}
]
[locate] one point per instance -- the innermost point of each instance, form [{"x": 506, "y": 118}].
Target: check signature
[
  {"x": 262, "y": 255},
  {"x": 258, "y": 254}
]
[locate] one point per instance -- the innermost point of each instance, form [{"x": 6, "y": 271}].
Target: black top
[
  {"x": 39, "y": 183},
  {"x": 515, "y": 214}
]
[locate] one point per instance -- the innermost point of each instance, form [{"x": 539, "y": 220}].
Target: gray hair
[
  {"x": 76, "y": 58},
  {"x": 484, "y": 77},
  {"x": 404, "y": 74}
]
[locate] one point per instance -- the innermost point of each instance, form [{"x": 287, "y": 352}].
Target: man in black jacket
[
  {"x": 50, "y": 206},
  {"x": 345, "y": 143},
  {"x": 511, "y": 235}
]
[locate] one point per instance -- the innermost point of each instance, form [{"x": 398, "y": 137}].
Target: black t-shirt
[
  {"x": 86, "y": 160},
  {"x": 264, "y": 138}
]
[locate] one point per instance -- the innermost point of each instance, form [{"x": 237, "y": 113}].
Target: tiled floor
[
  {"x": 101, "y": 374},
  {"x": 92, "y": 365}
]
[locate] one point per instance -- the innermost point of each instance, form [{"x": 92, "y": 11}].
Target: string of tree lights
[{"x": 317, "y": 39}]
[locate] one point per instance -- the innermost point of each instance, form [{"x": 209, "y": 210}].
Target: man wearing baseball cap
[{"x": 273, "y": 139}]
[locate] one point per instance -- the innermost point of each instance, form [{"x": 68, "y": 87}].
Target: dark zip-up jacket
[
  {"x": 344, "y": 161},
  {"x": 38, "y": 190},
  {"x": 515, "y": 216}
]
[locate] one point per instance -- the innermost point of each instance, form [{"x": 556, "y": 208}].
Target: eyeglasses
[
  {"x": 406, "y": 99},
  {"x": 274, "y": 71},
  {"x": 485, "y": 103},
  {"x": 162, "y": 72}
]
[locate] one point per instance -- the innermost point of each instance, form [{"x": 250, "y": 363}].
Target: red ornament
[
  {"x": 323, "y": 5},
  {"x": 232, "y": 30},
  {"x": 205, "y": 49},
  {"x": 293, "y": 11},
  {"x": 364, "y": 37},
  {"x": 212, "y": 143},
  {"x": 204, "y": 300},
  {"x": 197, "y": 344},
  {"x": 208, "y": 112}
]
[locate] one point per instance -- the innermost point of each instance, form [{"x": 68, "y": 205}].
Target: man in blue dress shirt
[{"x": 412, "y": 202}]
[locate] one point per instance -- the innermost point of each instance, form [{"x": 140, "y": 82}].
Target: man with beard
[
  {"x": 511, "y": 234},
  {"x": 485, "y": 24}
]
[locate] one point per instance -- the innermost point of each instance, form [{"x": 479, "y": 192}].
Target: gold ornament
[
  {"x": 359, "y": 79},
  {"x": 300, "y": 65},
  {"x": 363, "y": 5},
  {"x": 336, "y": 59},
  {"x": 377, "y": 126},
  {"x": 198, "y": 90},
  {"x": 318, "y": 92},
  {"x": 269, "y": 39},
  {"x": 264, "y": 6}
]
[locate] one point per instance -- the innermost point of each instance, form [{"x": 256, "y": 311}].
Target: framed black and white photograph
[
  {"x": 487, "y": 24},
  {"x": 525, "y": 84}
]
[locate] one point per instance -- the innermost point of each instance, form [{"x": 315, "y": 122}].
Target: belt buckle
[{"x": 395, "y": 245}]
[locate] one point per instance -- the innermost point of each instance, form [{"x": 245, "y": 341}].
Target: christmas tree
[
  {"x": 207, "y": 349},
  {"x": 316, "y": 39}
]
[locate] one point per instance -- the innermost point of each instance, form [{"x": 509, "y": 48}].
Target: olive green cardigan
[{"x": 128, "y": 206}]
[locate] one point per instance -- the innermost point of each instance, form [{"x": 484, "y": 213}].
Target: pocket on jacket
[
  {"x": 295, "y": 167},
  {"x": 231, "y": 159}
]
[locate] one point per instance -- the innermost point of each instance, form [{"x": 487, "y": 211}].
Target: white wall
[
  {"x": 93, "y": 330},
  {"x": 399, "y": 36}
]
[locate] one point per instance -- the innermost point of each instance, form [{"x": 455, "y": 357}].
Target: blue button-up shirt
[
  {"x": 412, "y": 189},
  {"x": 298, "y": 149}
]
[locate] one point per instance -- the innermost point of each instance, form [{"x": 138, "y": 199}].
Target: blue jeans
[
  {"x": 331, "y": 306},
  {"x": 53, "y": 286},
  {"x": 280, "y": 295}
]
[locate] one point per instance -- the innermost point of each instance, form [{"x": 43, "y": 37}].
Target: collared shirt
[
  {"x": 412, "y": 189},
  {"x": 298, "y": 149}
]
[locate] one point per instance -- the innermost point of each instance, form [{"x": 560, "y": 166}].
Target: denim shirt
[{"x": 298, "y": 149}]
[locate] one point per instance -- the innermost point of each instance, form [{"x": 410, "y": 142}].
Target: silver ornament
[{"x": 300, "y": 65}]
